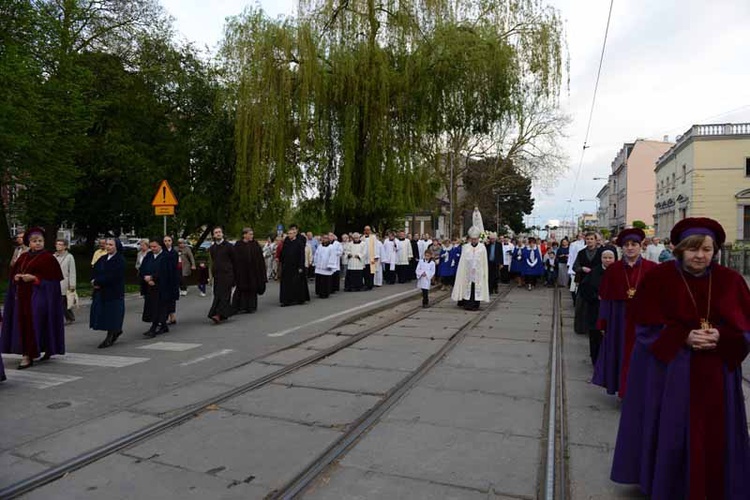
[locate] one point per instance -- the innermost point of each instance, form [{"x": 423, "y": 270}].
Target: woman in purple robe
[
  {"x": 616, "y": 312},
  {"x": 683, "y": 430},
  {"x": 33, "y": 319}
]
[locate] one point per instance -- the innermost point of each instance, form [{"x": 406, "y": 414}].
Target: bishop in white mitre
[{"x": 472, "y": 277}]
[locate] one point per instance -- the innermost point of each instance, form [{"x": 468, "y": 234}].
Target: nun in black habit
[
  {"x": 293, "y": 280},
  {"x": 249, "y": 273}
]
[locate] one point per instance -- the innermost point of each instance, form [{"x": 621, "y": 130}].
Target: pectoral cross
[
  {"x": 705, "y": 324},
  {"x": 631, "y": 293}
]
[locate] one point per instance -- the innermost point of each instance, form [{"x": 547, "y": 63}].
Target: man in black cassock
[
  {"x": 293, "y": 279},
  {"x": 249, "y": 273},
  {"x": 222, "y": 269},
  {"x": 494, "y": 260}
]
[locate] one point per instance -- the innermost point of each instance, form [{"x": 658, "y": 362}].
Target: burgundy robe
[
  {"x": 683, "y": 430},
  {"x": 33, "y": 317},
  {"x": 616, "y": 319}
]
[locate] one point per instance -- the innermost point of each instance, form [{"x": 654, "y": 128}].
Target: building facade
[
  {"x": 631, "y": 184},
  {"x": 706, "y": 174},
  {"x": 602, "y": 210}
]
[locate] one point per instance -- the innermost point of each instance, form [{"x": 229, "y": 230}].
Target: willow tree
[{"x": 354, "y": 101}]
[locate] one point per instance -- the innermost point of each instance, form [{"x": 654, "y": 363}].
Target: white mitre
[{"x": 474, "y": 232}]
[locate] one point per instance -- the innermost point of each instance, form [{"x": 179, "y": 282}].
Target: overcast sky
[{"x": 668, "y": 64}]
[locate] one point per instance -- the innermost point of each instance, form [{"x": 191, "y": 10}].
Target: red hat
[
  {"x": 632, "y": 234},
  {"x": 29, "y": 233},
  {"x": 698, "y": 225}
]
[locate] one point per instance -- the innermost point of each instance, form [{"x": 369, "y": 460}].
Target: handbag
[{"x": 72, "y": 298}]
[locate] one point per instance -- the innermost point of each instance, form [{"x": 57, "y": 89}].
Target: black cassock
[
  {"x": 293, "y": 279},
  {"x": 222, "y": 268},
  {"x": 249, "y": 276},
  {"x": 160, "y": 296}
]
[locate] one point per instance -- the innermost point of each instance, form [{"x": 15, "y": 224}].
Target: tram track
[
  {"x": 305, "y": 479},
  {"x": 52, "y": 474}
]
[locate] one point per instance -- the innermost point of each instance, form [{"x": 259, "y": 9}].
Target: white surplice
[{"x": 472, "y": 268}]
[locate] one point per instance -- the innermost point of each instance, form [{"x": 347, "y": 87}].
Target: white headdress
[{"x": 474, "y": 232}]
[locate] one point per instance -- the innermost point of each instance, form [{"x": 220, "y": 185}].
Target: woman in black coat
[
  {"x": 108, "y": 301},
  {"x": 159, "y": 277}
]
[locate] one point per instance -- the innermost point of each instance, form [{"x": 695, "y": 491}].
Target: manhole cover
[{"x": 59, "y": 405}]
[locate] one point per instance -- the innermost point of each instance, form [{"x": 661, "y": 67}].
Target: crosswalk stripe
[
  {"x": 170, "y": 346},
  {"x": 73, "y": 358},
  {"x": 37, "y": 380},
  {"x": 212, "y": 355}
]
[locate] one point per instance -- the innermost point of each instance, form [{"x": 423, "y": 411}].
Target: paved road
[{"x": 98, "y": 386}]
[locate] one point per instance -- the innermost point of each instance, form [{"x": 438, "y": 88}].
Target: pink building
[{"x": 632, "y": 183}]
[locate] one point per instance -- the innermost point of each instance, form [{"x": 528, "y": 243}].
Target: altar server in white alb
[
  {"x": 472, "y": 277},
  {"x": 404, "y": 254},
  {"x": 326, "y": 263},
  {"x": 388, "y": 256},
  {"x": 425, "y": 272}
]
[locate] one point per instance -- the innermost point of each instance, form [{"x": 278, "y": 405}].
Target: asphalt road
[{"x": 89, "y": 383}]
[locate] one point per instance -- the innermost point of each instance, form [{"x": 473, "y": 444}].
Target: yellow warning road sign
[{"x": 164, "y": 197}]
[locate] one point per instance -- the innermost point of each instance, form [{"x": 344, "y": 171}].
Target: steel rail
[
  {"x": 54, "y": 473},
  {"x": 549, "y": 490},
  {"x": 335, "y": 451}
]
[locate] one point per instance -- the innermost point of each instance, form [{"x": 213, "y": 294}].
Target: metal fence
[{"x": 737, "y": 258}]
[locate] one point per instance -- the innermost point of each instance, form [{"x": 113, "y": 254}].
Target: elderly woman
[
  {"x": 33, "y": 319},
  {"x": 157, "y": 279},
  {"x": 68, "y": 283},
  {"x": 108, "y": 301},
  {"x": 173, "y": 280},
  {"x": 683, "y": 431}
]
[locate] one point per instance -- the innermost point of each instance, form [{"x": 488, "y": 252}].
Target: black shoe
[
  {"x": 28, "y": 365},
  {"x": 107, "y": 342},
  {"x": 116, "y": 336},
  {"x": 163, "y": 329},
  {"x": 425, "y": 306},
  {"x": 150, "y": 334},
  {"x": 46, "y": 356}
]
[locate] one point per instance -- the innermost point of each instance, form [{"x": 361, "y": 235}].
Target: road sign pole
[{"x": 165, "y": 225}]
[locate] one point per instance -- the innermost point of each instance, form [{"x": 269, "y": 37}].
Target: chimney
[{"x": 666, "y": 138}]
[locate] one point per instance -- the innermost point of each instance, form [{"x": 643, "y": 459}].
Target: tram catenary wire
[{"x": 50, "y": 475}]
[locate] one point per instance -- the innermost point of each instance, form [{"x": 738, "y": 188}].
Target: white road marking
[
  {"x": 212, "y": 355},
  {"x": 73, "y": 358},
  {"x": 342, "y": 313},
  {"x": 37, "y": 380},
  {"x": 170, "y": 346}
]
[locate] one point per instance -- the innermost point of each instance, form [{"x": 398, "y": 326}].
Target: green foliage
[{"x": 639, "y": 224}]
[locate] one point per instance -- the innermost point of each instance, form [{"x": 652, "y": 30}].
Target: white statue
[{"x": 476, "y": 220}]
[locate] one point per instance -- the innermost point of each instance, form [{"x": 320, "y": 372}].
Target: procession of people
[{"x": 668, "y": 328}]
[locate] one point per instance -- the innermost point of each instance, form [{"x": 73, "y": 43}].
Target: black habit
[
  {"x": 293, "y": 279},
  {"x": 249, "y": 276},
  {"x": 493, "y": 265},
  {"x": 222, "y": 268}
]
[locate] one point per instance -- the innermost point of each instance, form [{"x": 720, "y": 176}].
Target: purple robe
[
  {"x": 608, "y": 365},
  {"x": 685, "y": 407},
  {"x": 45, "y": 332},
  {"x": 616, "y": 318}
]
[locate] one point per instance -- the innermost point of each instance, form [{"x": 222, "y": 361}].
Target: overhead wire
[{"x": 593, "y": 104}]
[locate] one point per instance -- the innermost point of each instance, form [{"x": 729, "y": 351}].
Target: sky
[{"x": 668, "y": 64}]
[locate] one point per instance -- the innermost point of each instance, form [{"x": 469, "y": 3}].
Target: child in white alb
[{"x": 425, "y": 272}]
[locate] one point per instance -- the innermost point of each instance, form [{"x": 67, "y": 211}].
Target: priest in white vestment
[
  {"x": 373, "y": 275},
  {"x": 472, "y": 277}
]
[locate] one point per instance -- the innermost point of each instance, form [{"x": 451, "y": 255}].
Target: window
[
  {"x": 674, "y": 183},
  {"x": 747, "y": 167},
  {"x": 614, "y": 208},
  {"x": 746, "y": 223},
  {"x": 684, "y": 173}
]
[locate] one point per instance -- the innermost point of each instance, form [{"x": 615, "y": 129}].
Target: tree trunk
[{"x": 6, "y": 243}]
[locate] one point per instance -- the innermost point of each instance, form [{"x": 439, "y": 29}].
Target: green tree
[
  {"x": 359, "y": 102},
  {"x": 639, "y": 224}
]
